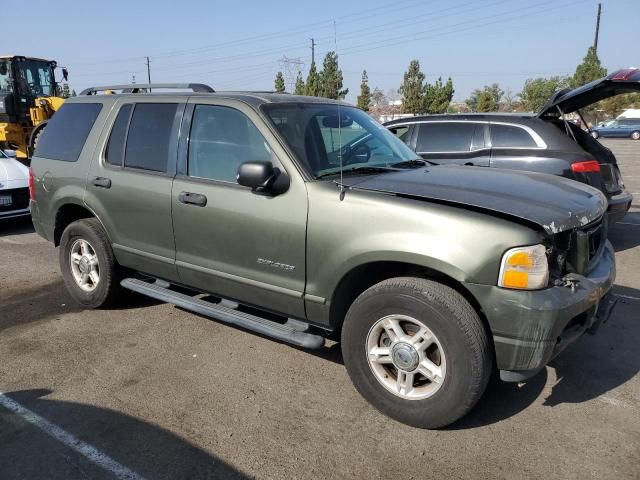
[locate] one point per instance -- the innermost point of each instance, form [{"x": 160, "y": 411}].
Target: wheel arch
[
  {"x": 363, "y": 276},
  {"x": 68, "y": 213}
]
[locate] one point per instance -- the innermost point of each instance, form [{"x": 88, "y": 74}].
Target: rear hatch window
[{"x": 65, "y": 134}]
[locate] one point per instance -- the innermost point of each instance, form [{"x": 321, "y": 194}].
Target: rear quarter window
[{"x": 66, "y": 133}]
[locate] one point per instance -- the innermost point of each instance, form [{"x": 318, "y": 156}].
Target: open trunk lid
[{"x": 626, "y": 80}]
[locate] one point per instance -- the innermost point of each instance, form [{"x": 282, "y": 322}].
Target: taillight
[
  {"x": 624, "y": 74},
  {"x": 585, "y": 167},
  {"x": 32, "y": 189}
]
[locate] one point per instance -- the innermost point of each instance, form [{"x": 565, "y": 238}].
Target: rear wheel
[
  {"x": 635, "y": 135},
  {"x": 417, "y": 351},
  {"x": 89, "y": 269},
  {"x": 595, "y": 134}
]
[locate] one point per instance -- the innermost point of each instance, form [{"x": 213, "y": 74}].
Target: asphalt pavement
[{"x": 147, "y": 390}]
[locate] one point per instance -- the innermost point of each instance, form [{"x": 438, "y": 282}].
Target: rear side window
[
  {"x": 445, "y": 137},
  {"x": 114, "y": 154},
  {"x": 65, "y": 134},
  {"x": 150, "y": 136},
  {"x": 508, "y": 136}
]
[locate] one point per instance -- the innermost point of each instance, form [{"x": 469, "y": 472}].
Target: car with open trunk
[{"x": 544, "y": 142}]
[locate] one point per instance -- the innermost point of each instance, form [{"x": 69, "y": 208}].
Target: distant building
[{"x": 630, "y": 113}]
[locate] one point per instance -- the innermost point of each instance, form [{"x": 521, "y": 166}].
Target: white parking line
[
  {"x": 69, "y": 440},
  {"x": 629, "y": 223}
]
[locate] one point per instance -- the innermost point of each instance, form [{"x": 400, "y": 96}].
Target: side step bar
[{"x": 287, "y": 333}]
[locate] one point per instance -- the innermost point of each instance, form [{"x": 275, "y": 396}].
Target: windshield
[
  {"x": 5, "y": 79},
  {"x": 316, "y": 132},
  {"x": 35, "y": 78}
]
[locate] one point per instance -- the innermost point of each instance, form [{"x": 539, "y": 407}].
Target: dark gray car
[{"x": 542, "y": 143}]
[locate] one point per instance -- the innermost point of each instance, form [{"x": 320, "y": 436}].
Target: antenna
[{"x": 335, "y": 44}]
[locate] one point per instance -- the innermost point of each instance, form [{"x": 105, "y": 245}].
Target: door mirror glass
[{"x": 262, "y": 177}]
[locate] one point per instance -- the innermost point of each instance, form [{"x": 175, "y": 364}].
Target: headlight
[{"x": 524, "y": 268}]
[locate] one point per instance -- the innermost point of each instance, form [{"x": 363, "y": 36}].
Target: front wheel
[
  {"x": 635, "y": 135},
  {"x": 417, "y": 351}
]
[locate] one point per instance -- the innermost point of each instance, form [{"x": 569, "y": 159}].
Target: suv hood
[
  {"x": 554, "y": 203},
  {"x": 623, "y": 81}
]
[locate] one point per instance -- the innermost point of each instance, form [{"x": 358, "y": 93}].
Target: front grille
[
  {"x": 586, "y": 245},
  {"x": 578, "y": 250},
  {"x": 19, "y": 199}
]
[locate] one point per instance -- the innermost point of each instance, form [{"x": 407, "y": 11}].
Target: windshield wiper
[
  {"x": 415, "y": 162},
  {"x": 360, "y": 169}
]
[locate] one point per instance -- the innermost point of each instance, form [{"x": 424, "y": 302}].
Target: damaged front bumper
[{"x": 531, "y": 327}]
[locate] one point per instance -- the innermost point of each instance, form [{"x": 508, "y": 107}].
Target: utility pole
[
  {"x": 148, "y": 72},
  {"x": 313, "y": 51},
  {"x": 595, "y": 42}
]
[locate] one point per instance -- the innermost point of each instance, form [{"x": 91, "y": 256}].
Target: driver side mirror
[{"x": 262, "y": 177}]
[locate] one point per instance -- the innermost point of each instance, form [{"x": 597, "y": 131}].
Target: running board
[{"x": 287, "y": 333}]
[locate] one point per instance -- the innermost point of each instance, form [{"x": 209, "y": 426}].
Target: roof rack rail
[{"x": 144, "y": 88}]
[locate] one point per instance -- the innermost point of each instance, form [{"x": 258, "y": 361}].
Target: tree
[
  {"x": 312, "y": 86},
  {"x": 377, "y": 97},
  {"x": 494, "y": 90},
  {"x": 364, "y": 99},
  {"x": 412, "y": 89},
  {"x": 486, "y": 102},
  {"x": 279, "y": 83},
  {"x": 331, "y": 78},
  {"x": 299, "y": 88},
  {"x": 509, "y": 101},
  {"x": 537, "y": 91},
  {"x": 614, "y": 106},
  {"x": 589, "y": 70},
  {"x": 437, "y": 97}
]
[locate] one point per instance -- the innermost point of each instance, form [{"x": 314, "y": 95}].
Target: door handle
[
  {"x": 192, "y": 199},
  {"x": 102, "y": 182}
]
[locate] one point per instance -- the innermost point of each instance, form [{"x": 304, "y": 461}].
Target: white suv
[{"x": 14, "y": 187}]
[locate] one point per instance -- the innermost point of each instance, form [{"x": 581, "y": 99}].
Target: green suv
[{"x": 304, "y": 219}]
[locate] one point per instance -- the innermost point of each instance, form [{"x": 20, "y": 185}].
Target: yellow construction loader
[{"x": 29, "y": 96}]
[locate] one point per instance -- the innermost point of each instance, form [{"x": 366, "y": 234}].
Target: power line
[
  {"x": 283, "y": 33},
  {"x": 374, "y": 30}
]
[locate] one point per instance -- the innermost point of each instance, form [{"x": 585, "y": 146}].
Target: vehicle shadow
[
  {"x": 16, "y": 226},
  {"x": 145, "y": 449},
  {"x": 626, "y": 235},
  {"x": 50, "y": 300},
  {"x": 588, "y": 369}
]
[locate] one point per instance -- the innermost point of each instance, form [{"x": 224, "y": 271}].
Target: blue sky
[{"x": 238, "y": 45}]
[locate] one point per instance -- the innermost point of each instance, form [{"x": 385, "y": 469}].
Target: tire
[
  {"x": 35, "y": 140},
  {"x": 635, "y": 135},
  {"x": 462, "y": 347},
  {"x": 106, "y": 289},
  {"x": 595, "y": 134}
]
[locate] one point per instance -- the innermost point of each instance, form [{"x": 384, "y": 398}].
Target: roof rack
[{"x": 144, "y": 88}]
